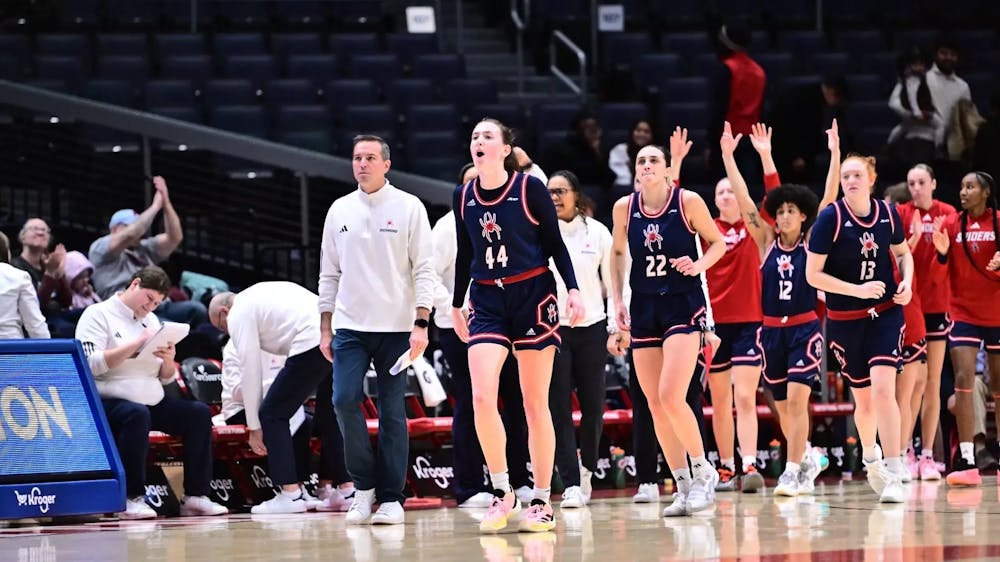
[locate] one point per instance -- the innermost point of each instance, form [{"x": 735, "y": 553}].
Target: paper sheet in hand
[
  {"x": 168, "y": 332},
  {"x": 402, "y": 363}
]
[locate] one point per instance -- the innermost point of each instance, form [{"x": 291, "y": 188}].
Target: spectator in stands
[
  {"x": 119, "y": 254},
  {"x": 913, "y": 140},
  {"x": 988, "y": 140},
  {"x": 376, "y": 289},
  {"x": 801, "y": 115},
  {"x": 78, "y": 271},
  {"x": 946, "y": 87},
  {"x": 45, "y": 266},
  {"x": 279, "y": 318},
  {"x": 19, "y": 310},
  {"x": 582, "y": 153},
  {"x": 737, "y": 97},
  {"x": 622, "y": 156},
  {"x": 131, "y": 390}
]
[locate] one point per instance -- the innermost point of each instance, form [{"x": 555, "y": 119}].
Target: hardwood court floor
[{"x": 841, "y": 522}]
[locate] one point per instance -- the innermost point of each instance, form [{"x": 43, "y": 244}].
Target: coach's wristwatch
[{"x": 421, "y": 323}]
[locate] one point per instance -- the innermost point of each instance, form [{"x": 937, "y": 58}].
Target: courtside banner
[{"x": 57, "y": 456}]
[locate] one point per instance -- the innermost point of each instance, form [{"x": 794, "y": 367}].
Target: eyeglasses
[{"x": 558, "y": 191}]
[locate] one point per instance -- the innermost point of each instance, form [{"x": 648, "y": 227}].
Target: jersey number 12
[
  {"x": 784, "y": 290},
  {"x": 501, "y": 257}
]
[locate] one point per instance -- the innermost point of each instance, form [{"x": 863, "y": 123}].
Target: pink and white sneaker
[
  {"x": 539, "y": 518},
  {"x": 928, "y": 469},
  {"x": 912, "y": 466},
  {"x": 504, "y": 506}
]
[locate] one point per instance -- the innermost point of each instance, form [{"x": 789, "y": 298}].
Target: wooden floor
[{"x": 841, "y": 522}]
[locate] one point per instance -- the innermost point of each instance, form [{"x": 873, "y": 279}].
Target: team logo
[
  {"x": 818, "y": 347},
  {"x": 868, "y": 245},
  {"x": 490, "y": 226},
  {"x": 553, "y": 313},
  {"x": 785, "y": 267},
  {"x": 652, "y": 236}
]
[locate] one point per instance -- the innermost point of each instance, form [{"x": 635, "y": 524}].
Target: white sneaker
[
  {"x": 525, "y": 494},
  {"x": 137, "y": 508},
  {"x": 311, "y": 500},
  {"x": 389, "y": 513},
  {"x": 893, "y": 490},
  {"x": 878, "y": 475},
  {"x": 482, "y": 500},
  {"x": 788, "y": 484},
  {"x": 702, "y": 494},
  {"x": 586, "y": 487},
  {"x": 361, "y": 507},
  {"x": 196, "y": 506},
  {"x": 333, "y": 500},
  {"x": 647, "y": 493},
  {"x": 679, "y": 507},
  {"x": 281, "y": 503},
  {"x": 572, "y": 497}
]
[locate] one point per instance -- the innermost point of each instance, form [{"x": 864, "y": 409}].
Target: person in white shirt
[
  {"x": 279, "y": 318},
  {"x": 331, "y": 467},
  {"x": 19, "y": 309},
  {"x": 131, "y": 390},
  {"x": 376, "y": 289},
  {"x": 912, "y": 141},
  {"x": 580, "y": 361},
  {"x": 467, "y": 456},
  {"x": 945, "y": 86},
  {"x": 621, "y": 157}
]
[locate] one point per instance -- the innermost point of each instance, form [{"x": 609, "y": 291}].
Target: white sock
[
  {"x": 928, "y": 453},
  {"x": 894, "y": 464},
  {"x": 792, "y": 467},
  {"x": 968, "y": 452},
  {"x": 501, "y": 481},
  {"x": 683, "y": 478},
  {"x": 729, "y": 463},
  {"x": 294, "y": 495},
  {"x": 869, "y": 454},
  {"x": 748, "y": 461},
  {"x": 701, "y": 467},
  {"x": 543, "y": 494}
]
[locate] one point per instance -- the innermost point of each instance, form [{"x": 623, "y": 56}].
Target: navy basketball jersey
[
  {"x": 858, "y": 250},
  {"x": 505, "y": 236},
  {"x": 653, "y": 240},
  {"x": 785, "y": 291}
]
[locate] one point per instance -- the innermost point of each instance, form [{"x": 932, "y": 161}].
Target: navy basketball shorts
[
  {"x": 522, "y": 315},
  {"x": 938, "y": 326},
  {"x": 859, "y": 345},
  {"x": 791, "y": 354},
  {"x": 657, "y": 317},
  {"x": 964, "y": 334},
  {"x": 915, "y": 352},
  {"x": 740, "y": 346}
]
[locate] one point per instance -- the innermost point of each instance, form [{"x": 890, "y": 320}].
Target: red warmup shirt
[
  {"x": 975, "y": 292},
  {"x": 933, "y": 275},
  {"x": 913, "y": 313},
  {"x": 734, "y": 280},
  {"x": 746, "y": 91}
]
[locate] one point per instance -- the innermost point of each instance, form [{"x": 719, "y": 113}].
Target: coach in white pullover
[
  {"x": 376, "y": 288},
  {"x": 279, "y": 318},
  {"x": 131, "y": 390}
]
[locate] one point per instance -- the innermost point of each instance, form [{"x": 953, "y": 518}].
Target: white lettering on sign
[
  {"x": 27, "y": 413},
  {"x": 222, "y": 486},
  {"x": 439, "y": 474},
  {"x": 420, "y": 19},
  {"x": 35, "y": 498},
  {"x": 155, "y": 494},
  {"x": 611, "y": 17}
]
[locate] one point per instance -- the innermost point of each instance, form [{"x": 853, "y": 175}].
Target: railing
[
  {"x": 520, "y": 26},
  {"x": 558, "y": 37}
]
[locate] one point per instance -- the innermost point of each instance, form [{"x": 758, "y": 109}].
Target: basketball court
[{"x": 840, "y": 522}]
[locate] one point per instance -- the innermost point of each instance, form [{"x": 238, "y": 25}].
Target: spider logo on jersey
[
  {"x": 868, "y": 245},
  {"x": 785, "y": 267},
  {"x": 553, "y": 313},
  {"x": 490, "y": 226},
  {"x": 652, "y": 236},
  {"x": 818, "y": 348}
]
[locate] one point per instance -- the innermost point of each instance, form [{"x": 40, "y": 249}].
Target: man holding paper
[
  {"x": 376, "y": 287},
  {"x": 130, "y": 375},
  {"x": 280, "y": 318}
]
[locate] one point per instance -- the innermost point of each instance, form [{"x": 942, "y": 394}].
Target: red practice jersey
[
  {"x": 933, "y": 275},
  {"x": 975, "y": 292},
  {"x": 734, "y": 280}
]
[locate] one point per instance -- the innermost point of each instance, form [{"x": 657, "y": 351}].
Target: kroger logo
[
  {"x": 35, "y": 498},
  {"x": 440, "y": 475},
  {"x": 222, "y": 486},
  {"x": 155, "y": 494}
]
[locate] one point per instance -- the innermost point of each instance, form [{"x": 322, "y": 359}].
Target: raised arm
[
  {"x": 132, "y": 234},
  {"x": 760, "y": 139},
  {"x": 680, "y": 146},
  {"x": 761, "y": 232},
  {"x": 172, "y": 234},
  {"x": 832, "y": 186}
]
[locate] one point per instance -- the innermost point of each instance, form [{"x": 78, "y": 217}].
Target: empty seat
[
  {"x": 78, "y": 13},
  {"x": 285, "y": 44},
  {"x": 164, "y": 93},
  {"x": 802, "y": 42},
  {"x": 409, "y": 46},
  {"x": 875, "y": 114},
  {"x": 258, "y": 69},
  {"x": 341, "y": 94},
  {"x": 179, "y": 44},
  {"x": 439, "y": 68},
  {"x": 687, "y": 89},
  {"x": 466, "y": 93},
  {"x": 188, "y": 113},
  {"x": 511, "y": 115},
  {"x": 244, "y": 119},
  {"x": 442, "y": 145},
  {"x": 442, "y": 168},
  {"x": 621, "y": 50},
  {"x": 406, "y": 92},
  {"x": 829, "y": 63},
  {"x": 131, "y": 14},
  {"x": 555, "y": 117},
  {"x": 238, "y": 44},
  {"x": 131, "y": 44},
  {"x": 63, "y": 44},
  {"x": 317, "y": 68},
  {"x": 229, "y": 92},
  {"x": 687, "y": 44},
  {"x": 369, "y": 118},
  {"x": 433, "y": 118},
  {"x": 615, "y": 117},
  {"x": 303, "y": 13},
  {"x": 302, "y": 118},
  {"x": 115, "y": 92},
  {"x": 196, "y": 68},
  {"x": 693, "y": 116},
  {"x": 651, "y": 71},
  {"x": 380, "y": 69},
  {"x": 317, "y": 141},
  {"x": 882, "y": 64},
  {"x": 70, "y": 69},
  {"x": 867, "y": 87},
  {"x": 972, "y": 41},
  {"x": 906, "y": 38},
  {"x": 861, "y": 42},
  {"x": 239, "y": 14},
  {"x": 290, "y": 91},
  {"x": 10, "y": 68},
  {"x": 358, "y": 14},
  {"x": 132, "y": 68},
  {"x": 776, "y": 65}
]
